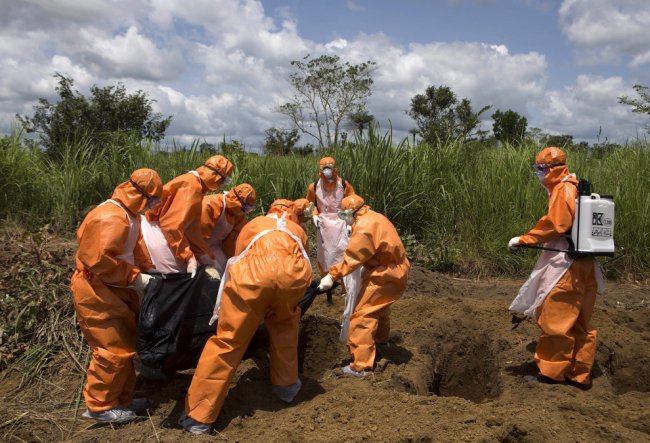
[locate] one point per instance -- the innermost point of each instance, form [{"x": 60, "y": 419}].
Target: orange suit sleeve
[
  {"x": 360, "y": 249},
  {"x": 311, "y": 196},
  {"x": 349, "y": 189},
  {"x": 558, "y": 220},
  {"x": 101, "y": 242}
]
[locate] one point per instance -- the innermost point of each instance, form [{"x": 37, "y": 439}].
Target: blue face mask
[
  {"x": 328, "y": 173},
  {"x": 540, "y": 167},
  {"x": 540, "y": 170},
  {"x": 247, "y": 209},
  {"x": 153, "y": 202}
]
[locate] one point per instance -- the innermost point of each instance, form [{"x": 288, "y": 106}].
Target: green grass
[{"x": 456, "y": 206}]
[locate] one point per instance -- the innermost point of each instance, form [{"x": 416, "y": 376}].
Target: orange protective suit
[
  {"x": 180, "y": 213},
  {"x": 326, "y": 194},
  {"x": 106, "y": 306},
  {"x": 266, "y": 284},
  {"x": 329, "y": 185},
  {"x": 220, "y": 227},
  {"x": 567, "y": 345},
  {"x": 375, "y": 245}
]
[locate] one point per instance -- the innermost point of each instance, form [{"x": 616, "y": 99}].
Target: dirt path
[{"x": 454, "y": 372}]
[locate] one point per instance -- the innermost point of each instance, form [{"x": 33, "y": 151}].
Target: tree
[
  {"x": 308, "y": 149},
  {"x": 535, "y": 135},
  {"x": 440, "y": 117},
  {"x": 280, "y": 141},
  {"x": 325, "y": 91},
  {"x": 509, "y": 127},
  {"x": 360, "y": 119},
  {"x": 231, "y": 148},
  {"x": 107, "y": 113},
  {"x": 561, "y": 141},
  {"x": 641, "y": 106}
]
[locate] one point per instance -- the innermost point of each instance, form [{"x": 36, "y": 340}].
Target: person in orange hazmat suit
[
  {"x": 564, "y": 288},
  {"x": 375, "y": 245},
  {"x": 104, "y": 289},
  {"x": 172, "y": 233},
  {"x": 264, "y": 281},
  {"x": 222, "y": 218},
  {"x": 326, "y": 193}
]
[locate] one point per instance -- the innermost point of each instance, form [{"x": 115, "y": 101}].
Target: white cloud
[
  {"x": 354, "y": 6},
  {"x": 40, "y": 81},
  {"x": 72, "y": 9},
  {"x": 214, "y": 116},
  {"x": 130, "y": 55},
  {"x": 607, "y": 30},
  {"x": 486, "y": 74},
  {"x": 60, "y": 12},
  {"x": 220, "y": 67},
  {"x": 589, "y": 105}
]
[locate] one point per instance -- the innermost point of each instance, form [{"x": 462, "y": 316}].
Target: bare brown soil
[{"x": 453, "y": 372}]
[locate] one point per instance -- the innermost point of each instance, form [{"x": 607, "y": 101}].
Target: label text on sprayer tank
[{"x": 597, "y": 220}]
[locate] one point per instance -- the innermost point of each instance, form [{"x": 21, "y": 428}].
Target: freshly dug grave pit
[
  {"x": 454, "y": 361},
  {"x": 319, "y": 349},
  {"x": 627, "y": 364}
]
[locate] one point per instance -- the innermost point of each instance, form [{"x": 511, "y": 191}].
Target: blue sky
[{"x": 220, "y": 67}]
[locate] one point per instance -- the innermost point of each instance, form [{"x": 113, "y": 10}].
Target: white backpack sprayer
[{"x": 592, "y": 232}]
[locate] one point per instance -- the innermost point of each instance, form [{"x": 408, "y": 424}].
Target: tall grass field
[{"x": 455, "y": 206}]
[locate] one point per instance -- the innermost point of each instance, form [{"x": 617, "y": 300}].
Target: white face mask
[
  {"x": 328, "y": 173},
  {"x": 227, "y": 180}
]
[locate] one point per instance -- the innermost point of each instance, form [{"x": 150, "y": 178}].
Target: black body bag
[{"x": 173, "y": 324}]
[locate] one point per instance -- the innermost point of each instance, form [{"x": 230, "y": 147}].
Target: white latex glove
[
  {"x": 141, "y": 282},
  {"x": 213, "y": 273},
  {"x": 326, "y": 283},
  {"x": 512, "y": 244},
  {"x": 316, "y": 221},
  {"x": 192, "y": 265}
]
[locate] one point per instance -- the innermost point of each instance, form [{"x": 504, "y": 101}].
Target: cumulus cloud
[
  {"x": 129, "y": 55},
  {"x": 220, "y": 67},
  {"x": 579, "y": 110},
  {"x": 486, "y": 74},
  {"x": 608, "y": 30},
  {"x": 57, "y": 13}
]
